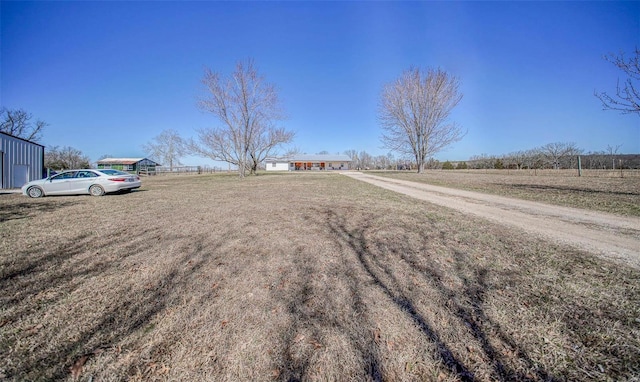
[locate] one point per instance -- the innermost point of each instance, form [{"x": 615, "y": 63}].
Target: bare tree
[
  {"x": 597, "y": 160},
  {"x": 613, "y": 151},
  {"x": 533, "y": 158},
  {"x": 382, "y": 162},
  {"x": 353, "y": 154},
  {"x": 627, "y": 97},
  {"x": 414, "y": 113},
  {"x": 365, "y": 160},
  {"x": 392, "y": 159},
  {"x": 168, "y": 148},
  {"x": 554, "y": 152},
  {"x": 18, "y": 123},
  {"x": 65, "y": 158},
  {"x": 292, "y": 151},
  {"x": 248, "y": 108},
  {"x": 516, "y": 159}
]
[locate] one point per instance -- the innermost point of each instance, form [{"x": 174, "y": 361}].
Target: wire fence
[{"x": 187, "y": 170}]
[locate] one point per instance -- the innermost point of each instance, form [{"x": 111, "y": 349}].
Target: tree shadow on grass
[
  {"x": 318, "y": 310},
  {"x": 568, "y": 189},
  {"x": 375, "y": 258},
  {"x": 384, "y": 279},
  {"x": 22, "y": 210},
  {"x": 294, "y": 367},
  {"x": 474, "y": 316},
  {"x": 41, "y": 282}
]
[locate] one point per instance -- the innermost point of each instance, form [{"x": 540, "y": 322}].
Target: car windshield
[{"x": 114, "y": 172}]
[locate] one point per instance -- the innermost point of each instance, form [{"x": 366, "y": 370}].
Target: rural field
[
  {"x": 310, "y": 277},
  {"x": 598, "y": 190}
]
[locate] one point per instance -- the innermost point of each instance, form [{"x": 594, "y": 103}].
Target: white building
[
  {"x": 21, "y": 161},
  {"x": 308, "y": 162}
]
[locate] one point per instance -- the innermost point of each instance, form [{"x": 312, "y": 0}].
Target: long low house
[{"x": 308, "y": 162}]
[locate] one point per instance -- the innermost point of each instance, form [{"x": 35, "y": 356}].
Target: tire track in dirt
[{"x": 614, "y": 237}]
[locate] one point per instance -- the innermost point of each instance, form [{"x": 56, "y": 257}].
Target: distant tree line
[
  {"x": 65, "y": 158},
  {"x": 557, "y": 155}
]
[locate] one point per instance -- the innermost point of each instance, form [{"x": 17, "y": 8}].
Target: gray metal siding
[{"x": 18, "y": 152}]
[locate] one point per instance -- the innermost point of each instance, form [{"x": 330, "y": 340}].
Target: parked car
[{"x": 86, "y": 181}]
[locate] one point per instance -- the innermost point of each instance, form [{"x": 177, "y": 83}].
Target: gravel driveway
[{"x": 611, "y": 236}]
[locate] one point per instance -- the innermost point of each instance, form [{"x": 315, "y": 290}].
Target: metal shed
[
  {"x": 132, "y": 165},
  {"x": 21, "y": 161}
]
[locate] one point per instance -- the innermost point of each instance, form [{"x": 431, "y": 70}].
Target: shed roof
[
  {"x": 21, "y": 139},
  {"x": 122, "y": 160}
]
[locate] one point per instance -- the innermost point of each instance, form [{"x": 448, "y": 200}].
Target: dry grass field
[
  {"x": 600, "y": 191},
  {"x": 299, "y": 277}
]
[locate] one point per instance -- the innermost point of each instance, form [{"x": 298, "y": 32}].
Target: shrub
[{"x": 447, "y": 166}]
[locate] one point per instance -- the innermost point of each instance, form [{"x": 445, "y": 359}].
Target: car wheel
[
  {"x": 96, "y": 190},
  {"x": 35, "y": 192}
]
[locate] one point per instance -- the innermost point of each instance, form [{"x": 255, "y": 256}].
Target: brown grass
[
  {"x": 298, "y": 277},
  {"x": 561, "y": 187}
]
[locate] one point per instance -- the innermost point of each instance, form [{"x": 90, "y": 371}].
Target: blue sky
[{"x": 110, "y": 76}]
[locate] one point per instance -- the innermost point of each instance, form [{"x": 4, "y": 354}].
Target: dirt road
[{"x": 611, "y": 236}]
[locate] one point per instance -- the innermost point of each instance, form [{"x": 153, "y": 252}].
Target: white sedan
[{"x": 74, "y": 182}]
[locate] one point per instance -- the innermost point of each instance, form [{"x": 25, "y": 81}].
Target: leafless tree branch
[
  {"x": 627, "y": 96},
  {"x": 18, "y": 123}
]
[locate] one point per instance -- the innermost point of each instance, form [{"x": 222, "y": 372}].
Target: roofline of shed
[{"x": 22, "y": 139}]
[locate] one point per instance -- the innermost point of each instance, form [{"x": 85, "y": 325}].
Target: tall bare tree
[
  {"x": 168, "y": 148},
  {"x": 627, "y": 97},
  {"x": 248, "y": 108},
  {"x": 18, "y": 123},
  {"x": 414, "y": 113}
]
